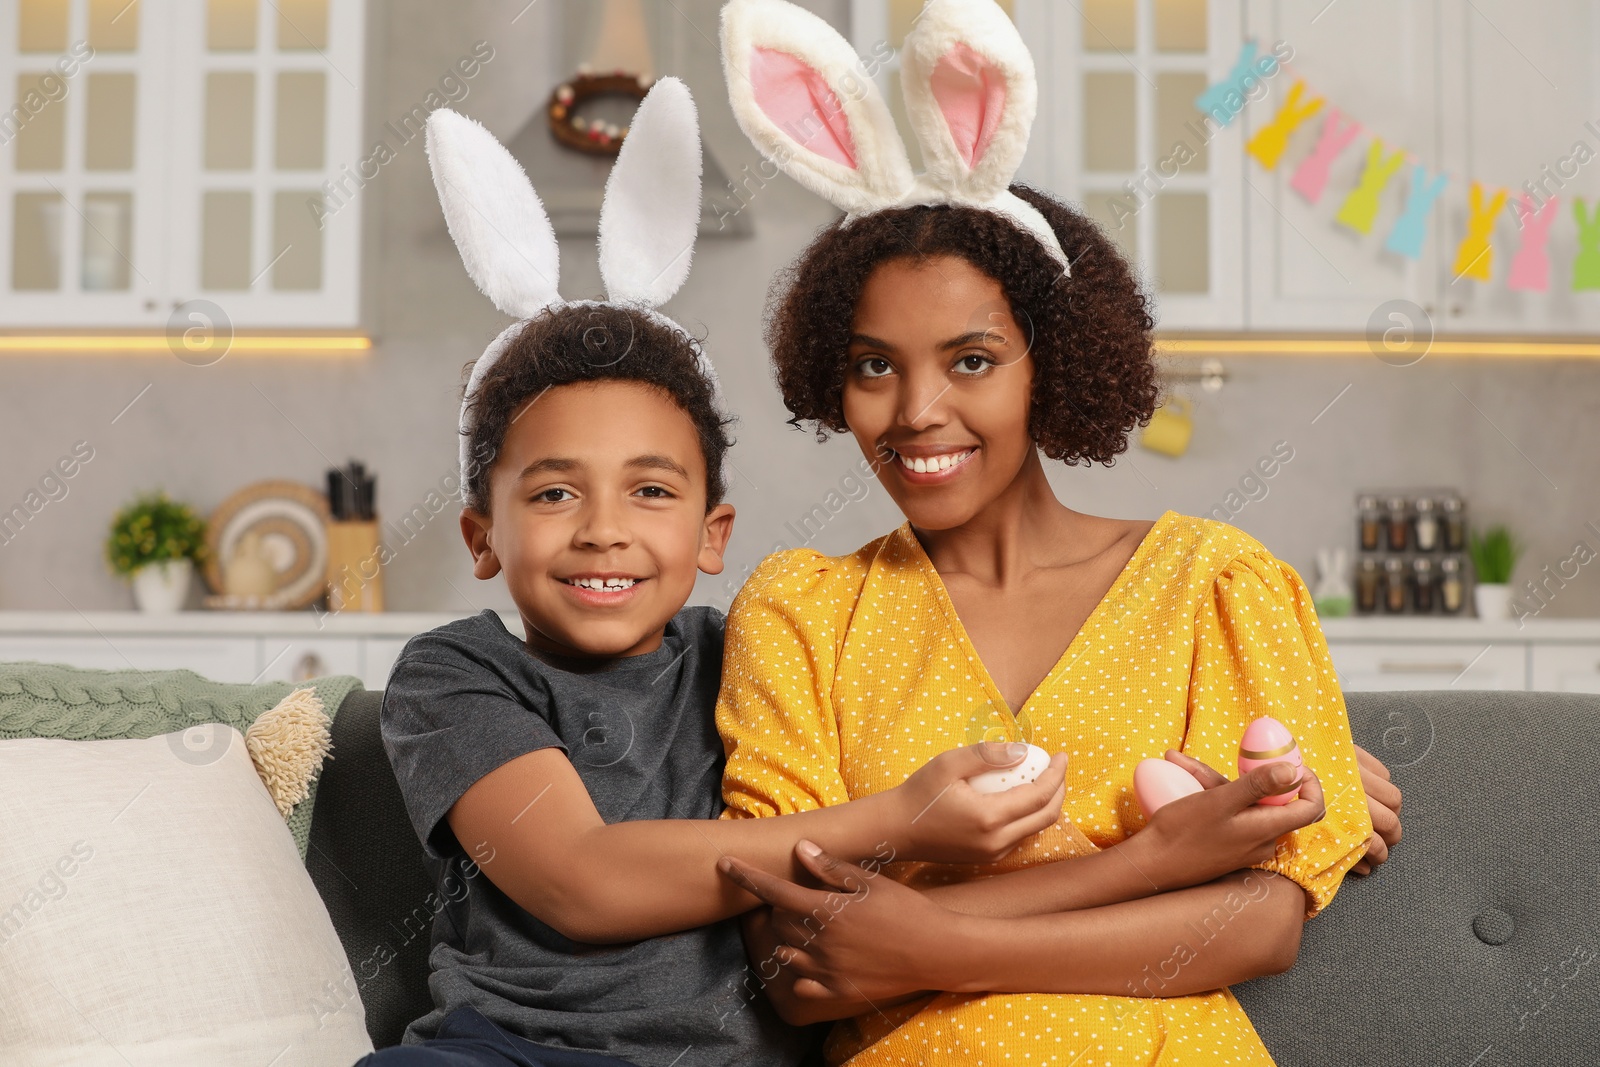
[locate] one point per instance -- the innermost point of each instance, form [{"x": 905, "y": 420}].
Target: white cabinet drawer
[
  {"x": 381, "y": 654},
  {"x": 1566, "y": 668},
  {"x": 288, "y": 659},
  {"x": 1376, "y": 667},
  {"x": 221, "y": 659}
]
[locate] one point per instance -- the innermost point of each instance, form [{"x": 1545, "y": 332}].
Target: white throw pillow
[{"x": 154, "y": 911}]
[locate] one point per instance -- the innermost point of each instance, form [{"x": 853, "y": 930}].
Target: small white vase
[
  {"x": 161, "y": 588},
  {"x": 1493, "y": 602}
]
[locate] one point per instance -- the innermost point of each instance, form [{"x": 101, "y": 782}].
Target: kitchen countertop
[
  {"x": 232, "y": 623},
  {"x": 404, "y": 624}
]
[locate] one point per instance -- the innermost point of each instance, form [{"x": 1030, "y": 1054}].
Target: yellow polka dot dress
[{"x": 843, "y": 675}]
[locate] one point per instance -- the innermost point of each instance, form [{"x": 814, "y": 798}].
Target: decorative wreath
[{"x": 593, "y": 136}]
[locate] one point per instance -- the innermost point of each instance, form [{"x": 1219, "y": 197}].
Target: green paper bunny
[{"x": 1586, "y": 271}]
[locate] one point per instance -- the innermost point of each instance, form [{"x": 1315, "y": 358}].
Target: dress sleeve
[
  {"x": 1259, "y": 650},
  {"x": 774, "y": 711}
]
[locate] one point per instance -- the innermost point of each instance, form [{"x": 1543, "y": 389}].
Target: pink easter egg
[
  {"x": 1268, "y": 741},
  {"x": 1157, "y": 782}
]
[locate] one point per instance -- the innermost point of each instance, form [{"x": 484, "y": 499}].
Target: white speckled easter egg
[
  {"x": 1002, "y": 778},
  {"x": 1269, "y": 741}
]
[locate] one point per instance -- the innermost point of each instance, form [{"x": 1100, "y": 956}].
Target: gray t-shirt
[{"x": 468, "y": 697}]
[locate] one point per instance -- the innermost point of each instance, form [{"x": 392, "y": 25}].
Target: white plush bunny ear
[
  {"x": 496, "y": 219},
  {"x": 802, "y": 95},
  {"x": 972, "y": 94},
  {"x": 651, "y": 213}
]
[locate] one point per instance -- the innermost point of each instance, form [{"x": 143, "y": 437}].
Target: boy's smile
[{"x": 598, "y": 518}]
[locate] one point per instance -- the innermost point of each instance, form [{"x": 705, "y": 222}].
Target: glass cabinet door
[
  {"x": 81, "y": 242},
  {"x": 157, "y": 153},
  {"x": 267, "y": 211}
]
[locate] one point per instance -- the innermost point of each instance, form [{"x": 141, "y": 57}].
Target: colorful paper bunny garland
[
  {"x": 648, "y": 221},
  {"x": 1530, "y": 269},
  {"x": 803, "y": 97}
]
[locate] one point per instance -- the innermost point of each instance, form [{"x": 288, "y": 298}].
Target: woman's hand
[
  {"x": 777, "y": 981},
  {"x": 1383, "y": 804},
  {"x": 1203, "y": 836},
  {"x": 945, "y": 820},
  {"x": 865, "y": 941}
]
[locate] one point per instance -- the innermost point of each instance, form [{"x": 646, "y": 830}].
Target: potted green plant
[
  {"x": 155, "y": 543},
  {"x": 1494, "y": 556}
]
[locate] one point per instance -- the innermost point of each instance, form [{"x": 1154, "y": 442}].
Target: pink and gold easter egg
[
  {"x": 1157, "y": 782},
  {"x": 1269, "y": 741}
]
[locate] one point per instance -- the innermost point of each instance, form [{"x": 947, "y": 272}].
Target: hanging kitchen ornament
[
  {"x": 1586, "y": 269},
  {"x": 1475, "y": 257},
  {"x": 620, "y": 66},
  {"x": 1360, "y": 208},
  {"x": 1311, "y": 177},
  {"x": 1411, "y": 228},
  {"x": 1272, "y": 140},
  {"x": 1530, "y": 267}
]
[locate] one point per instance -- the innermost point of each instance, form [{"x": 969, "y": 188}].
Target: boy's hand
[
  {"x": 1201, "y": 837},
  {"x": 944, "y": 820}
]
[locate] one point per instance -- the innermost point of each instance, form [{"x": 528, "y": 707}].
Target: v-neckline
[{"x": 941, "y": 596}]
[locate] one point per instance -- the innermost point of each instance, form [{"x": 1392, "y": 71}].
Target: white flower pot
[
  {"x": 1493, "y": 602},
  {"x": 161, "y": 588}
]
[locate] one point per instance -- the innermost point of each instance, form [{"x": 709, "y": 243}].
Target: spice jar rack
[{"x": 1409, "y": 552}]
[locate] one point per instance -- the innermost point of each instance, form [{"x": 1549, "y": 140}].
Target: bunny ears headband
[
  {"x": 802, "y": 96},
  {"x": 648, "y": 221}
]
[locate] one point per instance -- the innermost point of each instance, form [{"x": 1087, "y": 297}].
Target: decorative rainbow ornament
[{"x": 804, "y": 98}]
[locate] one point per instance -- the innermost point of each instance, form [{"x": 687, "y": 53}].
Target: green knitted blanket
[{"x": 49, "y": 700}]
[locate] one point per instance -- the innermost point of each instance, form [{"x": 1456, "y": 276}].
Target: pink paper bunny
[{"x": 1530, "y": 269}]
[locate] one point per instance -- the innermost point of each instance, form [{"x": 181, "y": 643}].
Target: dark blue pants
[{"x": 467, "y": 1039}]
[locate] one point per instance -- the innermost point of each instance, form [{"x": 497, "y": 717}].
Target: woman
[
  {"x": 943, "y": 339},
  {"x": 959, "y": 326}
]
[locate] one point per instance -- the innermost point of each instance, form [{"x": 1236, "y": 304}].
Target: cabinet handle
[{"x": 1391, "y": 667}]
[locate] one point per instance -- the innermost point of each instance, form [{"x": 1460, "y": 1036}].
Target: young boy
[{"x": 579, "y": 766}]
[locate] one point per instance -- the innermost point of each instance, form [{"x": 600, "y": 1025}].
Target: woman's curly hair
[
  {"x": 1091, "y": 334},
  {"x": 592, "y": 343}
]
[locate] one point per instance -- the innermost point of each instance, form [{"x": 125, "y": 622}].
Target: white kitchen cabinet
[
  {"x": 1566, "y": 668},
  {"x": 221, "y": 659},
  {"x": 1377, "y": 62},
  {"x": 1373, "y": 667},
  {"x": 1520, "y": 94},
  {"x": 291, "y": 659},
  {"x": 1117, "y": 131},
  {"x": 223, "y": 646},
  {"x": 187, "y": 164},
  {"x": 381, "y": 653}
]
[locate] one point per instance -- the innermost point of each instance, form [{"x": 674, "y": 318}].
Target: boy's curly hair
[
  {"x": 1090, "y": 334},
  {"x": 592, "y": 343}
]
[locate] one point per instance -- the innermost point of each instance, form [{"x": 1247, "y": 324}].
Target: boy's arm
[{"x": 533, "y": 829}]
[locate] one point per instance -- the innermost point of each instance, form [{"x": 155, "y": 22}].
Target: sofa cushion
[
  {"x": 52, "y": 700},
  {"x": 154, "y": 911},
  {"x": 1478, "y": 942}
]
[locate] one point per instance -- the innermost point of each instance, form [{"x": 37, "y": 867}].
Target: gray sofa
[{"x": 1478, "y": 945}]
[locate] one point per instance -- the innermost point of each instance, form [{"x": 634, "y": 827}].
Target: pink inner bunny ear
[
  {"x": 971, "y": 92},
  {"x": 799, "y": 102}
]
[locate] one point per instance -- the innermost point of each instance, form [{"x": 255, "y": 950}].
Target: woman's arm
[
  {"x": 871, "y": 941},
  {"x": 533, "y": 829},
  {"x": 1191, "y": 841}
]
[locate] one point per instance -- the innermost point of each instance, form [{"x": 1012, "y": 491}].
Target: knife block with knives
[{"x": 355, "y": 574}]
